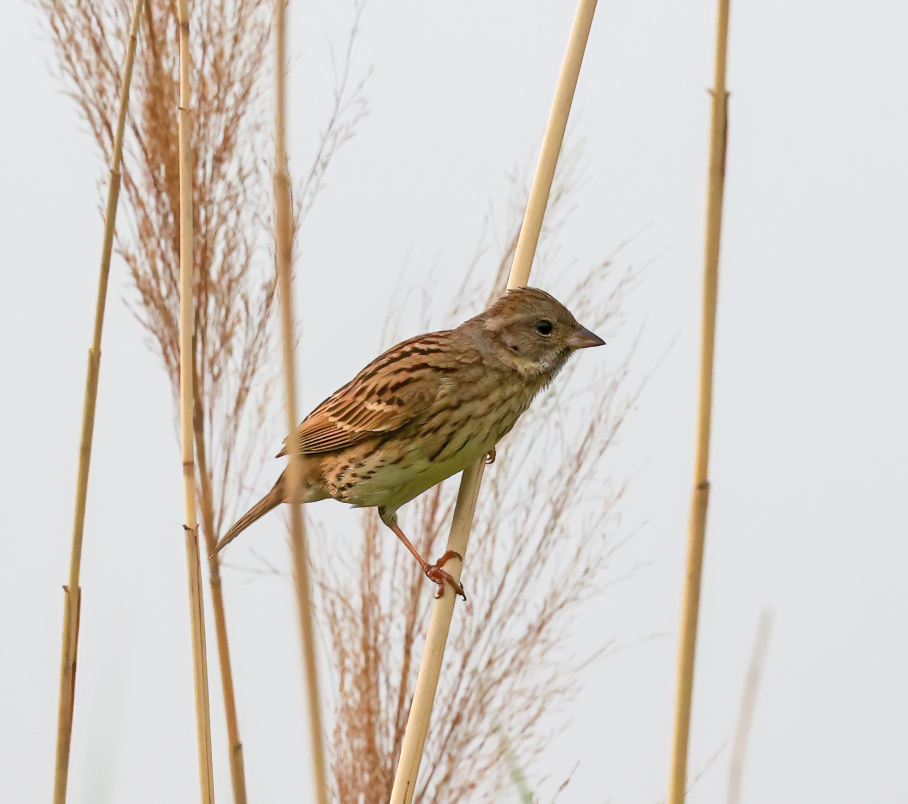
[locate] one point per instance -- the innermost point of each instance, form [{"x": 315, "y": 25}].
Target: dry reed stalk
[
  {"x": 284, "y": 258},
  {"x": 234, "y": 293},
  {"x": 551, "y": 145},
  {"x": 233, "y": 281},
  {"x": 748, "y": 704},
  {"x": 443, "y": 610},
  {"x": 73, "y": 591},
  {"x": 691, "y": 600},
  {"x": 187, "y": 410},
  {"x": 547, "y": 524},
  {"x": 237, "y": 766}
]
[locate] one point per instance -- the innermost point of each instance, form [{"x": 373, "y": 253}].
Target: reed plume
[
  {"x": 234, "y": 359},
  {"x": 544, "y": 531}
]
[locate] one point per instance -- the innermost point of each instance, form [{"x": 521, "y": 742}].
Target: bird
[{"x": 427, "y": 409}]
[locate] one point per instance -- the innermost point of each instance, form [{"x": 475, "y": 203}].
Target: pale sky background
[{"x": 808, "y": 510}]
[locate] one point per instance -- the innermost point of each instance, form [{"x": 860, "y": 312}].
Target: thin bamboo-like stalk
[
  {"x": 748, "y": 704},
  {"x": 284, "y": 255},
  {"x": 443, "y": 610},
  {"x": 237, "y": 766},
  {"x": 187, "y": 392},
  {"x": 73, "y": 591},
  {"x": 691, "y": 600},
  {"x": 551, "y": 146}
]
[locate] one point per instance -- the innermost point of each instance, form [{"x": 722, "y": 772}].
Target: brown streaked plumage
[{"x": 428, "y": 408}]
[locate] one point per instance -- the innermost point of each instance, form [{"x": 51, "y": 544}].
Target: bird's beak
[{"x": 582, "y": 338}]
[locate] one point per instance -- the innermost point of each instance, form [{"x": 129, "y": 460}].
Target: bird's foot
[
  {"x": 436, "y": 574},
  {"x": 490, "y": 457}
]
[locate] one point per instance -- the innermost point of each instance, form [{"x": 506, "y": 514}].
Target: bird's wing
[{"x": 393, "y": 390}]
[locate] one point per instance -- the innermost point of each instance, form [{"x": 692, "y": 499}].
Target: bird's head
[{"x": 533, "y": 332}]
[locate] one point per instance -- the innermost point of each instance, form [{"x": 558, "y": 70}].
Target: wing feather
[{"x": 394, "y": 390}]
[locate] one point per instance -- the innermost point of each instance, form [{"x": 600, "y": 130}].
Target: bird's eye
[{"x": 544, "y": 327}]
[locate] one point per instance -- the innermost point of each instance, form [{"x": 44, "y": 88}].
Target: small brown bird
[{"x": 428, "y": 408}]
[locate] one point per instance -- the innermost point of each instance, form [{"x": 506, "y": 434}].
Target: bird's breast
[{"x": 455, "y": 429}]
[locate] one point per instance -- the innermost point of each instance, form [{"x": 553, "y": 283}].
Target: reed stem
[
  {"x": 525, "y": 250},
  {"x": 73, "y": 591},
  {"x": 443, "y": 608},
  {"x": 700, "y": 498},
  {"x": 187, "y": 387},
  {"x": 284, "y": 249},
  {"x": 237, "y": 765},
  {"x": 748, "y": 705}
]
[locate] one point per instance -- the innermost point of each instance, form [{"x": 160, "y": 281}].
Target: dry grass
[
  {"x": 538, "y": 553},
  {"x": 283, "y": 244},
  {"x": 748, "y": 705},
  {"x": 544, "y": 531},
  {"x": 73, "y": 589},
  {"x": 235, "y": 351},
  {"x": 690, "y": 602},
  {"x": 232, "y": 288},
  {"x": 233, "y": 279}
]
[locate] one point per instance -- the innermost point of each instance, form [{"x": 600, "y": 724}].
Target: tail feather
[{"x": 270, "y": 501}]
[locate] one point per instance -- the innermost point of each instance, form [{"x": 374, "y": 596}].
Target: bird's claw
[
  {"x": 490, "y": 456},
  {"x": 437, "y": 575}
]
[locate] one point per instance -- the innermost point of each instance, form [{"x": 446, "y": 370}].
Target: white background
[{"x": 808, "y": 509}]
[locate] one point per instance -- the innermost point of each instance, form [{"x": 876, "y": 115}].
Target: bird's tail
[{"x": 271, "y": 500}]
